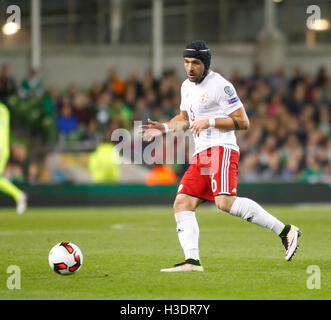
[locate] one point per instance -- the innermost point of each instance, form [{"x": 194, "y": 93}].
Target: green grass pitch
[{"x": 125, "y": 247}]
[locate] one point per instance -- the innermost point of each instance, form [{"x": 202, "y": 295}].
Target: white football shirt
[{"x": 214, "y": 97}]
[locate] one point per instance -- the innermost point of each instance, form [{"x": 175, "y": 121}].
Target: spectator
[
  {"x": 322, "y": 77},
  {"x": 313, "y": 172},
  {"x": 297, "y": 100},
  {"x": 116, "y": 84},
  {"x": 290, "y": 170},
  {"x": 135, "y": 84},
  {"x": 143, "y": 113},
  {"x": 52, "y": 102},
  {"x": 274, "y": 104},
  {"x": 130, "y": 96},
  {"x": 102, "y": 109},
  {"x": 317, "y": 98},
  {"x": 81, "y": 108},
  {"x": 119, "y": 108},
  {"x": 62, "y": 173},
  {"x": 34, "y": 173},
  {"x": 168, "y": 109},
  {"x": 257, "y": 74},
  {"x": 149, "y": 83},
  {"x": 14, "y": 173},
  {"x": 309, "y": 82},
  {"x": 31, "y": 86},
  {"x": 18, "y": 163},
  {"x": 66, "y": 122},
  {"x": 91, "y": 135},
  {"x": 296, "y": 79},
  {"x": 151, "y": 100},
  {"x": 236, "y": 79},
  {"x": 7, "y": 84},
  {"x": 279, "y": 80},
  {"x": 73, "y": 90},
  {"x": 326, "y": 91},
  {"x": 324, "y": 119},
  {"x": 96, "y": 91},
  {"x": 269, "y": 159},
  {"x": 248, "y": 172}
]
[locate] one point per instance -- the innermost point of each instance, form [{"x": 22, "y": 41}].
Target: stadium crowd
[{"x": 289, "y": 137}]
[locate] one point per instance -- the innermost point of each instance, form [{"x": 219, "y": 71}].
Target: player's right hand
[{"x": 151, "y": 130}]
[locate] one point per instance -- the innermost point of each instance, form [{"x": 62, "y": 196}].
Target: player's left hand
[{"x": 199, "y": 125}]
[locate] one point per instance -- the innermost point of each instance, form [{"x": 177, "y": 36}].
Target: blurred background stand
[{"x": 78, "y": 70}]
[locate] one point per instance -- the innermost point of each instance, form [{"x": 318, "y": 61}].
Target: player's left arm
[
  {"x": 237, "y": 120},
  {"x": 4, "y": 133}
]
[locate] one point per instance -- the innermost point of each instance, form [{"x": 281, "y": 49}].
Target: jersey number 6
[{"x": 213, "y": 183}]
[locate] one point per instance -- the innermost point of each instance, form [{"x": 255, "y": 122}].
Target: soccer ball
[{"x": 65, "y": 258}]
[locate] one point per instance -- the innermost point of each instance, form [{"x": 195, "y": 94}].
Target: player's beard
[{"x": 197, "y": 78}]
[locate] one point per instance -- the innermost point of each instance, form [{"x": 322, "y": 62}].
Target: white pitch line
[{"x": 34, "y": 232}]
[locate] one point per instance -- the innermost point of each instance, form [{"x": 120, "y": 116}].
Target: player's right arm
[
  {"x": 179, "y": 122},
  {"x": 153, "y": 128}
]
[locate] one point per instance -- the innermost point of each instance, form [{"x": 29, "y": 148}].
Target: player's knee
[
  {"x": 223, "y": 206},
  {"x": 224, "y": 203},
  {"x": 180, "y": 205},
  {"x": 183, "y": 203}
]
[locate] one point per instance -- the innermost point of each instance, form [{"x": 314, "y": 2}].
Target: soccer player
[
  {"x": 211, "y": 109},
  {"x": 5, "y": 185}
]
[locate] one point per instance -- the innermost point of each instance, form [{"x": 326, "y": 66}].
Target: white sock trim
[{"x": 184, "y": 215}]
